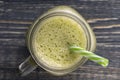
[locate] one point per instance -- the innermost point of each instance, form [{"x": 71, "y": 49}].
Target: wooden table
[{"x": 17, "y": 15}]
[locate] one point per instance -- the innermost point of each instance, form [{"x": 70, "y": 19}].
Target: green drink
[
  {"x": 49, "y": 40},
  {"x": 52, "y": 40}
]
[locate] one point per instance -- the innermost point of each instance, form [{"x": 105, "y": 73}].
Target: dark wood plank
[{"x": 17, "y": 15}]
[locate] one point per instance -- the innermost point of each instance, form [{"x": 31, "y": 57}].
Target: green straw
[{"x": 90, "y": 55}]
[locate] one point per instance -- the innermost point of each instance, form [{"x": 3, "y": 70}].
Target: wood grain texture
[{"x": 17, "y": 15}]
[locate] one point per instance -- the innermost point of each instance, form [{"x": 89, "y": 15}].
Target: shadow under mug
[{"x": 32, "y": 63}]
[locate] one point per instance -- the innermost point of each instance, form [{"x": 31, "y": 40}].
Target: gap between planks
[
  {"x": 16, "y": 22},
  {"x": 100, "y": 19}
]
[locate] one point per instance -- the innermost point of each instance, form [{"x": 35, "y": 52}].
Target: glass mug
[{"x": 32, "y": 63}]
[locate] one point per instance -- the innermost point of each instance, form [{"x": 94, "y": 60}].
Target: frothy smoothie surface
[{"x": 52, "y": 39}]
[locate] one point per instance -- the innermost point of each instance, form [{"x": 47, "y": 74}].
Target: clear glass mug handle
[{"x": 27, "y": 66}]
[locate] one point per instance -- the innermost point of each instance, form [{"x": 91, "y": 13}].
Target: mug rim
[{"x": 79, "y": 21}]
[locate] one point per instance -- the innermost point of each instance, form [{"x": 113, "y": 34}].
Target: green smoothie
[{"x": 52, "y": 40}]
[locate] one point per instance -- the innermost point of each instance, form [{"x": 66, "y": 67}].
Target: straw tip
[{"x": 105, "y": 63}]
